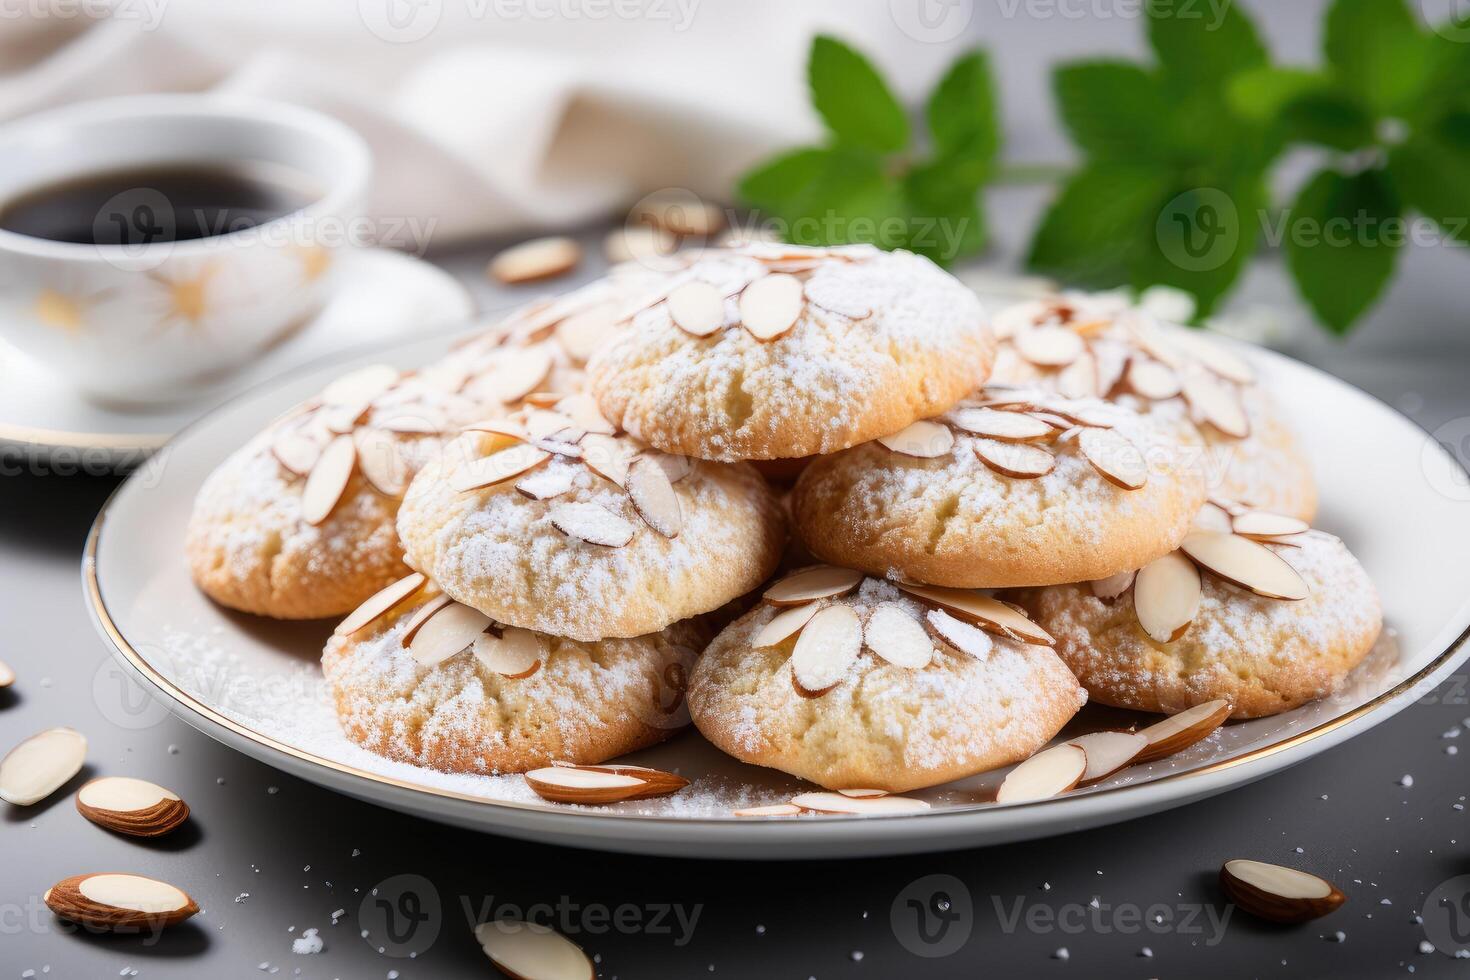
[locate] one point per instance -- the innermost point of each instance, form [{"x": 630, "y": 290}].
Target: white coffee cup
[{"x": 157, "y": 319}]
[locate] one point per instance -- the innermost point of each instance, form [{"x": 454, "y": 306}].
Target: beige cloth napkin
[{"x": 485, "y": 115}]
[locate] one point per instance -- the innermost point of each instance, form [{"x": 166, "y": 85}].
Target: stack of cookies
[{"x": 561, "y": 543}]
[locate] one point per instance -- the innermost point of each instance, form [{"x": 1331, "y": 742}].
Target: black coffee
[{"x": 156, "y": 204}]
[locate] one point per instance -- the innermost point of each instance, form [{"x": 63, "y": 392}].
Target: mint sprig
[{"x": 867, "y": 182}]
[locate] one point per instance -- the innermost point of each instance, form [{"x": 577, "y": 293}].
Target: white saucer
[{"x": 380, "y": 295}]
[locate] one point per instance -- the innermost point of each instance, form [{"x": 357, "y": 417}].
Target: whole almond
[
  {"x": 130, "y": 806},
  {"x": 119, "y": 902}
]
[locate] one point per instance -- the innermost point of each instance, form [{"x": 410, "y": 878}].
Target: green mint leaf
[
  {"x": 1378, "y": 52},
  {"x": 962, "y": 112},
  {"x": 1201, "y": 237},
  {"x": 1201, "y": 45},
  {"x": 852, "y": 199},
  {"x": 777, "y": 184},
  {"x": 1336, "y": 246},
  {"x": 946, "y": 221},
  {"x": 853, "y": 99},
  {"x": 1432, "y": 172},
  {"x": 1261, "y": 94},
  {"x": 1100, "y": 219},
  {"x": 1306, "y": 106},
  {"x": 1114, "y": 110}
]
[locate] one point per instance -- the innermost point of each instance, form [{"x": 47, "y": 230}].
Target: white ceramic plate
[
  {"x": 378, "y": 295},
  {"x": 254, "y": 684}
]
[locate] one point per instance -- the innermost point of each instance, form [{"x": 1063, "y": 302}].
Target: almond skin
[
  {"x": 161, "y": 818},
  {"x": 1278, "y": 908},
  {"x": 66, "y": 900}
]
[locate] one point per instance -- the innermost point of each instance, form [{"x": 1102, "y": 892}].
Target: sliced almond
[
  {"x": 328, "y": 480},
  {"x": 119, "y": 902},
  {"x": 770, "y": 306},
  {"x": 1216, "y": 403},
  {"x": 922, "y": 439},
  {"x": 569, "y": 784},
  {"x": 608, "y": 456},
  {"x": 826, "y": 650},
  {"x": 592, "y": 523},
  {"x": 1178, "y": 732},
  {"x": 1049, "y": 346},
  {"x": 509, "y": 428},
  {"x": 810, "y": 584},
  {"x": 380, "y": 602},
  {"x": 382, "y": 463},
  {"x": 1112, "y": 360},
  {"x": 7, "y": 675},
  {"x": 675, "y": 467},
  {"x": 1276, "y": 893},
  {"x": 1112, "y": 586},
  {"x": 419, "y": 420},
  {"x": 697, "y": 308},
  {"x": 130, "y": 806},
  {"x": 864, "y": 794},
  {"x": 342, "y": 419},
  {"x": 642, "y": 243},
  {"x": 41, "y": 765},
  {"x": 1116, "y": 458},
  {"x": 515, "y": 653},
  {"x": 895, "y": 635},
  {"x": 679, "y": 211},
  {"x": 959, "y": 634},
  {"x": 362, "y": 385},
  {"x": 834, "y": 295},
  {"x": 582, "y": 409},
  {"x": 1107, "y": 752},
  {"x": 995, "y": 424},
  {"x": 1214, "y": 355},
  {"x": 529, "y": 951},
  {"x": 447, "y": 632},
  {"x": 546, "y": 484},
  {"x": 769, "y": 810},
  {"x": 518, "y": 371},
  {"x": 784, "y": 624},
  {"x": 657, "y": 782},
  {"x": 1264, "y": 524},
  {"x": 539, "y": 258},
  {"x": 1166, "y": 597},
  {"x": 1212, "y": 517},
  {"x": 653, "y": 497},
  {"x": 875, "y": 806},
  {"x": 1048, "y": 773},
  {"x": 1147, "y": 334},
  {"x": 1245, "y": 563},
  {"x": 583, "y": 333},
  {"x": 1079, "y": 379},
  {"x": 1019, "y": 460},
  {"x": 987, "y": 613},
  {"x": 1152, "y": 380},
  {"x": 422, "y": 615},
  {"x": 497, "y": 467},
  {"x": 297, "y": 451},
  {"x": 564, "y": 442}
]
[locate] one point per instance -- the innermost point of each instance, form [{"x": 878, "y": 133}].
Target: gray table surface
[{"x": 269, "y": 856}]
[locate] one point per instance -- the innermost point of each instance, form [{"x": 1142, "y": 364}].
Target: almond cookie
[
  {"x": 1012, "y": 487},
  {"x": 1253, "y": 608},
  {"x": 556, "y": 523},
  {"x": 1083, "y": 345},
  {"x": 420, "y": 679},
  {"x": 777, "y": 351},
  {"x": 853, "y": 682}
]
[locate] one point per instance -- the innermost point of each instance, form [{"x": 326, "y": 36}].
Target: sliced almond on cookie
[
  {"x": 987, "y": 613},
  {"x": 297, "y": 451},
  {"x": 873, "y": 806},
  {"x": 653, "y": 497},
  {"x": 1166, "y": 597},
  {"x": 922, "y": 439},
  {"x": 380, "y": 602},
  {"x": 895, "y": 635},
  {"x": 697, "y": 308},
  {"x": 608, "y": 456},
  {"x": 515, "y": 653},
  {"x": 381, "y": 461},
  {"x": 498, "y": 467},
  {"x": 810, "y": 584},
  {"x": 518, "y": 371},
  {"x": 1116, "y": 458},
  {"x": 449, "y": 631},
  {"x": 770, "y": 306},
  {"x": 530, "y": 951},
  {"x": 585, "y": 414},
  {"x": 959, "y": 634},
  {"x": 130, "y": 806},
  {"x": 328, "y": 480},
  {"x": 119, "y": 902},
  {"x": 826, "y": 650},
  {"x": 361, "y": 386},
  {"x": 1214, "y": 355},
  {"x": 1178, "y": 732},
  {"x": 582, "y": 333},
  {"x": 546, "y": 484},
  {"x": 1079, "y": 379},
  {"x": 1152, "y": 380},
  {"x": 1216, "y": 403},
  {"x": 422, "y": 615},
  {"x": 41, "y": 765},
  {"x": 592, "y": 523},
  {"x": 1048, "y": 773},
  {"x": 786, "y": 623},
  {"x": 1277, "y": 893},
  {"x": 1112, "y": 586},
  {"x": 1264, "y": 524},
  {"x": 996, "y": 424},
  {"x": 1245, "y": 563},
  {"x": 1049, "y": 346},
  {"x": 675, "y": 467},
  {"x": 1107, "y": 752},
  {"x": 768, "y": 810},
  {"x": 1019, "y": 460}
]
